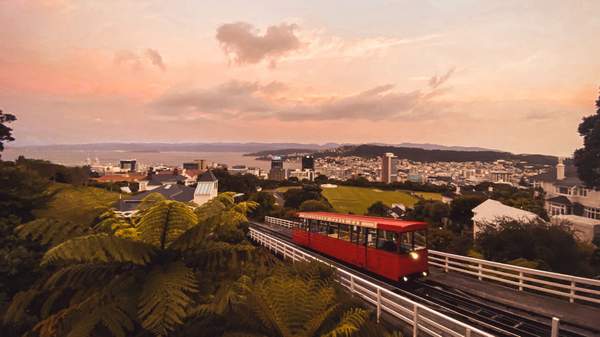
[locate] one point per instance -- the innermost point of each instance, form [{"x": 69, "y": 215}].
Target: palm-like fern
[{"x": 126, "y": 274}]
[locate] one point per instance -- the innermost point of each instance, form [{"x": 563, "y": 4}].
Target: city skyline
[{"x": 503, "y": 75}]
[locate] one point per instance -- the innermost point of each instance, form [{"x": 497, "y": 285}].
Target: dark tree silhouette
[
  {"x": 587, "y": 158},
  {"x": 5, "y": 131}
]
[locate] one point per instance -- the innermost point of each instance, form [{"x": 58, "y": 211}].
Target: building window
[
  {"x": 563, "y": 190},
  {"x": 557, "y": 209},
  {"x": 592, "y": 213},
  {"x": 582, "y": 192}
]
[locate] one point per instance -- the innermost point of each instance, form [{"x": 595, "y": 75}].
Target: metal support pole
[
  {"x": 555, "y": 327},
  {"x": 468, "y": 332},
  {"x": 415, "y": 320},
  {"x": 446, "y": 264},
  {"x": 572, "y": 292},
  {"x": 378, "y": 304},
  {"x": 520, "y": 281},
  {"x": 479, "y": 271}
]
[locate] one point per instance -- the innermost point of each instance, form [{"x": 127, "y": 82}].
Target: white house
[
  {"x": 491, "y": 212},
  {"x": 207, "y": 188},
  {"x": 569, "y": 200}
]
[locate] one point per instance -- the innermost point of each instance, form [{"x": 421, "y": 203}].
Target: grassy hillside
[
  {"x": 357, "y": 199},
  {"x": 77, "y": 204}
]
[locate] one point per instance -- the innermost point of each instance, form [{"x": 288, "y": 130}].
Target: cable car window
[
  {"x": 322, "y": 227},
  {"x": 406, "y": 242},
  {"x": 371, "y": 237},
  {"x": 314, "y": 226},
  {"x": 420, "y": 238},
  {"x": 332, "y": 230},
  {"x": 387, "y": 241},
  {"x": 344, "y": 232},
  {"x": 358, "y": 235}
]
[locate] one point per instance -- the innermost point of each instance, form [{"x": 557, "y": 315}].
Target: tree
[
  {"x": 461, "y": 211},
  {"x": 143, "y": 279},
  {"x": 321, "y": 179},
  {"x": 294, "y": 197},
  {"x": 378, "y": 208},
  {"x": 21, "y": 191},
  {"x": 314, "y": 206},
  {"x": 432, "y": 211},
  {"x": 5, "y": 131},
  {"x": 587, "y": 159},
  {"x": 266, "y": 204}
]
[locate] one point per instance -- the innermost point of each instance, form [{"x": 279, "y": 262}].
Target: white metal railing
[
  {"x": 281, "y": 222},
  {"x": 422, "y": 319},
  {"x": 571, "y": 287}
]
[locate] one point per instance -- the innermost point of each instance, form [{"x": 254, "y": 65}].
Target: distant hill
[
  {"x": 422, "y": 155},
  {"x": 427, "y": 146},
  {"x": 279, "y": 152},
  {"x": 184, "y": 147}
]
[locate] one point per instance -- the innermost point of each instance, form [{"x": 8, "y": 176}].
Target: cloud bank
[{"x": 244, "y": 44}]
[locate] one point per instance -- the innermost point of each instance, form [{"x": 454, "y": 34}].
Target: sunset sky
[{"x": 511, "y": 75}]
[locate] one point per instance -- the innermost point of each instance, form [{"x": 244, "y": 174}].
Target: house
[
  {"x": 165, "y": 178},
  {"x": 491, "y": 212},
  {"x": 567, "y": 198},
  {"x": 175, "y": 192},
  {"x": 207, "y": 188}
]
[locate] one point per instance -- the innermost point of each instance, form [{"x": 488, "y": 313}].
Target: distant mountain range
[
  {"x": 252, "y": 147},
  {"x": 423, "y": 155}
]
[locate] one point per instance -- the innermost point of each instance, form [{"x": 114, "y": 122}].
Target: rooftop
[
  {"x": 207, "y": 176},
  {"x": 365, "y": 221},
  {"x": 491, "y": 211},
  {"x": 175, "y": 192}
]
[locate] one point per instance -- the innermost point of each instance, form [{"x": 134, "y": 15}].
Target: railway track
[{"x": 489, "y": 316}]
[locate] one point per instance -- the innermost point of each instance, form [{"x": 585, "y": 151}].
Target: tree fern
[
  {"x": 165, "y": 297},
  {"x": 50, "y": 231},
  {"x": 164, "y": 222},
  {"x": 99, "y": 248},
  {"x": 351, "y": 322}
]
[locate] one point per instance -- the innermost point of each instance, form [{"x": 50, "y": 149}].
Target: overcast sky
[{"x": 513, "y": 75}]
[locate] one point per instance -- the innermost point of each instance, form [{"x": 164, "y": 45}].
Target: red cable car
[{"x": 394, "y": 249}]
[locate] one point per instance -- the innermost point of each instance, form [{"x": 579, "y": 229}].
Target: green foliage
[
  {"x": 587, "y": 158},
  {"x": 356, "y": 200},
  {"x": 150, "y": 200},
  {"x": 97, "y": 248},
  {"x": 164, "y": 222},
  {"x": 75, "y": 175},
  {"x": 21, "y": 191},
  {"x": 314, "y": 206},
  {"x": 266, "y": 204},
  {"x": 165, "y": 297},
  {"x": 431, "y": 211},
  {"x": 5, "y": 131},
  {"x": 534, "y": 241},
  {"x": 296, "y": 196},
  {"x": 245, "y": 183},
  {"x": 50, "y": 232},
  {"x": 461, "y": 211}
]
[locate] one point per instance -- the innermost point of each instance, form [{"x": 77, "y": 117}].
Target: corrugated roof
[
  {"x": 364, "y": 220},
  {"x": 204, "y": 188},
  {"x": 491, "y": 211},
  {"x": 175, "y": 192}
]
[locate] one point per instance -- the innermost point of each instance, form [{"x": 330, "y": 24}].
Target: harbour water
[{"x": 77, "y": 158}]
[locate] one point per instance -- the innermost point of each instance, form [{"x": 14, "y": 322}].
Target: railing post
[
  {"x": 446, "y": 264},
  {"x": 572, "y": 292},
  {"x": 351, "y": 284},
  {"x": 378, "y": 304},
  {"x": 520, "y": 281},
  {"x": 415, "y": 320},
  {"x": 479, "y": 271},
  {"x": 555, "y": 327},
  {"x": 468, "y": 332}
]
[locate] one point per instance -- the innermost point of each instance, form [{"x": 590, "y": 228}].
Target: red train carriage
[{"x": 394, "y": 249}]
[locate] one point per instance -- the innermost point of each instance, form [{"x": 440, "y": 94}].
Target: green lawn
[
  {"x": 357, "y": 199},
  {"x": 77, "y": 204}
]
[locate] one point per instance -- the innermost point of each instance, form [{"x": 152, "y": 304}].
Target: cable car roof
[{"x": 365, "y": 221}]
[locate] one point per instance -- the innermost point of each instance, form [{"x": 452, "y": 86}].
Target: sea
[{"x": 150, "y": 158}]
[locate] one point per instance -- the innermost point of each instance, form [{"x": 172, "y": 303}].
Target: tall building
[
  {"x": 308, "y": 162},
  {"x": 277, "y": 172},
  {"x": 191, "y": 166},
  {"x": 389, "y": 168},
  {"x": 129, "y": 165}
]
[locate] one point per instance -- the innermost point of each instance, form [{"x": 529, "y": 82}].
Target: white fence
[
  {"x": 422, "y": 319},
  {"x": 571, "y": 287},
  {"x": 281, "y": 222},
  {"x": 562, "y": 285}
]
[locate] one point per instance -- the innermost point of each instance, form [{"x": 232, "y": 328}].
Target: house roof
[
  {"x": 160, "y": 179},
  {"x": 175, "y": 192},
  {"x": 491, "y": 211},
  {"x": 570, "y": 180},
  {"x": 561, "y": 199},
  {"x": 576, "y": 219},
  {"x": 207, "y": 176},
  {"x": 120, "y": 177},
  {"x": 365, "y": 221}
]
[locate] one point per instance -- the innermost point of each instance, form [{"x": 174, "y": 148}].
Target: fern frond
[
  {"x": 165, "y": 297},
  {"x": 223, "y": 255},
  {"x": 81, "y": 275},
  {"x": 18, "y": 308},
  {"x": 50, "y": 231},
  {"x": 351, "y": 322},
  {"x": 98, "y": 248},
  {"x": 164, "y": 222},
  {"x": 192, "y": 238}
]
